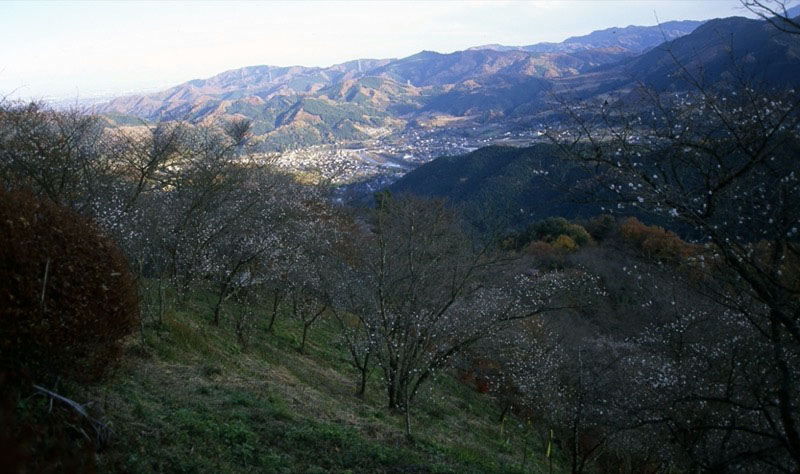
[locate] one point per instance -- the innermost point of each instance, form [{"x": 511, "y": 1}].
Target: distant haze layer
[{"x": 80, "y": 50}]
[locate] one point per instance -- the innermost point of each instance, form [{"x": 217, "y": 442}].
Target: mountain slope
[
  {"x": 521, "y": 184},
  {"x": 263, "y": 93},
  {"x": 190, "y": 398},
  {"x": 299, "y": 106},
  {"x": 715, "y": 50},
  {"x": 356, "y": 100},
  {"x": 731, "y": 50},
  {"x": 635, "y": 39},
  {"x": 261, "y": 82}
]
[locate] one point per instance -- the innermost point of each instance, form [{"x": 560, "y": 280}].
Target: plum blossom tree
[
  {"x": 718, "y": 161},
  {"x": 435, "y": 290}
]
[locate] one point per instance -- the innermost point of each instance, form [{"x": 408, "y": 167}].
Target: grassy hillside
[{"x": 189, "y": 398}]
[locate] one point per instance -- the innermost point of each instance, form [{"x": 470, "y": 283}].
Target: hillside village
[{"x": 384, "y": 160}]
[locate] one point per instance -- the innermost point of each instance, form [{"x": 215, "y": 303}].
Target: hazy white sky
[{"x": 70, "y": 49}]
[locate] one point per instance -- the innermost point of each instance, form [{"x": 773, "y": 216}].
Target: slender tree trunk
[
  {"x": 785, "y": 390},
  {"x": 525, "y": 448},
  {"x": 303, "y": 340},
  {"x": 220, "y": 299},
  {"x": 161, "y": 301},
  {"x": 391, "y": 388},
  {"x": 506, "y": 409},
  {"x": 276, "y": 301},
  {"x": 574, "y": 446},
  {"x": 362, "y": 389},
  {"x": 240, "y": 329},
  {"x": 217, "y": 309},
  {"x": 141, "y": 329},
  {"x": 407, "y": 409}
]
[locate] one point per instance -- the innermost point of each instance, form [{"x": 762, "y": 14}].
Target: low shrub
[{"x": 67, "y": 295}]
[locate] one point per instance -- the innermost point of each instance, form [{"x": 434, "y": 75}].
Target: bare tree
[
  {"x": 59, "y": 155},
  {"x": 143, "y": 156},
  {"x": 776, "y": 12}
]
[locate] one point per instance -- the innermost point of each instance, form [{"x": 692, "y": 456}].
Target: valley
[
  {"x": 363, "y": 123},
  {"x": 560, "y": 257},
  {"x": 376, "y": 163}
]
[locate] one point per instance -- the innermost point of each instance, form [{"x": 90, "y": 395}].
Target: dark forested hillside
[
  {"x": 522, "y": 184},
  {"x": 712, "y": 50}
]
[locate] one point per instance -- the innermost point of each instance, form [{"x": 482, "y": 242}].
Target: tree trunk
[
  {"x": 785, "y": 388},
  {"x": 362, "y": 389},
  {"x": 217, "y": 309},
  {"x": 506, "y": 409},
  {"x": 407, "y": 409},
  {"x": 303, "y": 340},
  {"x": 391, "y": 388},
  {"x": 276, "y": 301},
  {"x": 161, "y": 301}
]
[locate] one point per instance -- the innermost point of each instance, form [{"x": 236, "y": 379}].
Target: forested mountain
[
  {"x": 527, "y": 184},
  {"x": 359, "y": 99},
  {"x": 729, "y": 49},
  {"x": 356, "y": 100},
  {"x": 522, "y": 184},
  {"x": 514, "y": 187}
]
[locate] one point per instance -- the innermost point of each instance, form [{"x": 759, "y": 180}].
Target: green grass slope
[{"x": 188, "y": 398}]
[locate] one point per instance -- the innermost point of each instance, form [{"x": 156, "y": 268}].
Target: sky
[{"x": 78, "y": 50}]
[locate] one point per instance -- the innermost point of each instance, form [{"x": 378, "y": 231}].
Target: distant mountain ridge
[
  {"x": 632, "y": 38},
  {"x": 529, "y": 184},
  {"x": 725, "y": 49},
  {"x": 357, "y": 99},
  {"x": 360, "y": 99}
]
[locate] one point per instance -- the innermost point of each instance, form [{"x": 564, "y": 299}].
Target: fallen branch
[{"x": 102, "y": 430}]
